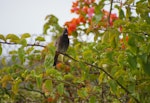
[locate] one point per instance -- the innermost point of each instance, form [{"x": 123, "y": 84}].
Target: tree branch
[
  {"x": 106, "y": 74},
  {"x": 65, "y": 82},
  {"x": 11, "y": 43},
  {"x": 111, "y": 3},
  {"x": 25, "y": 88}
]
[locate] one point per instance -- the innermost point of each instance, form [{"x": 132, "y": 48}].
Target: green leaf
[
  {"x": 48, "y": 63},
  {"x": 132, "y": 60},
  {"x": 69, "y": 77},
  {"x": 45, "y": 28},
  {"x": 142, "y": 58},
  {"x": 39, "y": 81},
  {"x": 52, "y": 21},
  {"x": 1, "y": 49},
  {"x": 99, "y": 7},
  {"x": 121, "y": 59},
  {"x": 54, "y": 73},
  {"x": 14, "y": 58},
  {"x": 51, "y": 18},
  {"x": 113, "y": 86},
  {"x": 92, "y": 99},
  {"x": 13, "y": 38},
  {"x": 121, "y": 14},
  {"x": 60, "y": 89},
  {"x": 5, "y": 79},
  {"x": 3, "y": 61},
  {"x": 110, "y": 55},
  {"x": 13, "y": 52},
  {"x": 23, "y": 42},
  {"x": 37, "y": 51},
  {"x": 39, "y": 38},
  {"x": 128, "y": 12},
  {"x": 17, "y": 66},
  {"x": 132, "y": 87},
  {"x": 128, "y": 2},
  {"x": 97, "y": 18},
  {"x": 15, "y": 86},
  {"x": 21, "y": 54},
  {"x": 118, "y": 73},
  {"x": 25, "y": 35},
  {"x": 82, "y": 93},
  {"x": 146, "y": 67},
  {"x": 29, "y": 50},
  {"x": 105, "y": 37},
  {"x": 101, "y": 77},
  {"x": 132, "y": 44},
  {"x": 2, "y": 37},
  {"x": 87, "y": 54},
  {"x": 49, "y": 85},
  {"x": 113, "y": 37}
]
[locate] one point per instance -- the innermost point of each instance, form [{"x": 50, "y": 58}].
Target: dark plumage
[{"x": 61, "y": 44}]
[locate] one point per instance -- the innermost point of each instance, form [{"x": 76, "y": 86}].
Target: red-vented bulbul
[{"x": 61, "y": 44}]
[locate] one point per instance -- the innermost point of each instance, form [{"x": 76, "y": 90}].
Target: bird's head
[{"x": 65, "y": 32}]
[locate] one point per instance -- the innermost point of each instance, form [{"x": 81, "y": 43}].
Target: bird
[{"x": 61, "y": 44}]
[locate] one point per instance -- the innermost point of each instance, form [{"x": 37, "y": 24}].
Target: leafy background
[{"x": 113, "y": 68}]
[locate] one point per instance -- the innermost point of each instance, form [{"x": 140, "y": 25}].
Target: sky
[{"x": 28, "y": 16}]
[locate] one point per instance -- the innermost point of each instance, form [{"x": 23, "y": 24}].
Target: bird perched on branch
[{"x": 61, "y": 44}]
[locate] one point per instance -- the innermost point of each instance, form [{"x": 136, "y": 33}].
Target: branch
[
  {"x": 105, "y": 73},
  {"x": 111, "y": 3},
  {"x": 33, "y": 90},
  {"x": 65, "y": 82},
  {"x": 11, "y": 43}
]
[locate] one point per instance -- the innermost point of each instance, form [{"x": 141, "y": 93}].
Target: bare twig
[
  {"x": 111, "y": 3},
  {"x": 11, "y": 43}
]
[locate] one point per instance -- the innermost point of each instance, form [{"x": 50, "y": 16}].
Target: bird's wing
[{"x": 57, "y": 42}]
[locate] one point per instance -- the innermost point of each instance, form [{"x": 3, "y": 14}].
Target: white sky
[
  {"x": 21, "y": 16},
  {"x": 27, "y": 16}
]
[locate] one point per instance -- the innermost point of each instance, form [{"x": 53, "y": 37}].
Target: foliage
[{"x": 114, "y": 68}]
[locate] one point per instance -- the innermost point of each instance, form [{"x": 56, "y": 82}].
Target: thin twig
[
  {"x": 65, "y": 82},
  {"x": 33, "y": 90},
  {"x": 111, "y": 3},
  {"x": 11, "y": 43}
]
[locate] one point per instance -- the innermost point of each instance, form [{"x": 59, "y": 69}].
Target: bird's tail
[{"x": 55, "y": 58}]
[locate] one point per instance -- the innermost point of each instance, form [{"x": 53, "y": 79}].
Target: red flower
[
  {"x": 82, "y": 19},
  {"x": 120, "y": 28},
  {"x": 85, "y": 9},
  {"x": 75, "y": 4},
  {"x": 50, "y": 99},
  {"x": 72, "y": 25},
  {"x": 113, "y": 16},
  {"x": 127, "y": 38},
  {"x": 75, "y": 7},
  {"x": 90, "y": 12},
  {"x": 89, "y": 1}
]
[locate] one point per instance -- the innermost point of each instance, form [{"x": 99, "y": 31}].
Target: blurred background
[{"x": 20, "y": 16}]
